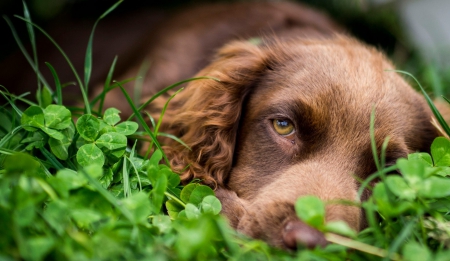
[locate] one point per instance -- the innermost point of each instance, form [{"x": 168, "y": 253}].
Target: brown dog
[{"x": 289, "y": 116}]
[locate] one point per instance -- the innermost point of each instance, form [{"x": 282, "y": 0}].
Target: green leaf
[
  {"x": 107, "y": 178},
  {"x": 399, "y": 187},
  {"x": 413, "y": 170},
  {"x": 84, "y": 217},
  {"x": 440, "y": 150},
  {"x": 139, "y": 206},
  {"x": 199, "y": 193},
  {"x": 341, "y": 228},
  {"x": 156, "y": 158},
  {"x": 46, "y": 97},
  {"x": 35, "y": 248},
  {"x": 111, "y": 116},
  {"x": 187, "y": 190},
  {"x": 421, "y": 156},
  {"x": 211, "y": 204},
  {"x": 57, "y": 117},
  {"x": 90, "y": 154},
  {"x": 435, "y": 187},
  {"x": 157, "y": 194},
  {"x": 21, "y": 163},
  {"x": 192, "y": 212},
  {"x": 37, "y": 140},
  {"x": 71, "y": 179},
  {"x": 53, "y": 133},
  {"x": 112, "y": 141},
  {"x": 61, "y": 147},
  {"x": 413, "y": 251},
  {"x": 162, "y": 222},
  {"x": 173, "y": 208},
  {"x": 88, "y": 126},
  {"x": 311, "y": 210},
  {"x": 172, "y": 178},
  {"x": 127, "y": 127},
  {"x": 34, "y": 117}
]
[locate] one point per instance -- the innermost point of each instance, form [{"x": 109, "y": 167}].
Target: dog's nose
[{"x": 296, "y": 233}]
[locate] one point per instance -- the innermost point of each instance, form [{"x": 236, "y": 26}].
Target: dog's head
[{"x": 291, "y": 118}]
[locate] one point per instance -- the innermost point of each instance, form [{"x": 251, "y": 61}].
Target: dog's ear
[{"x": 206, "y": 114}]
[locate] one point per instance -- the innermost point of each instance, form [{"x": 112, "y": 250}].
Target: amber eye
[{"x": 283, "y": 127}]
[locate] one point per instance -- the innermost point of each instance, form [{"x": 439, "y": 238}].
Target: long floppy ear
[{"x": 206, "y": 114}]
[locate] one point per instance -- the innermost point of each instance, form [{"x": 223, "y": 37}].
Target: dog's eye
[{"x": 283, "y": 127}]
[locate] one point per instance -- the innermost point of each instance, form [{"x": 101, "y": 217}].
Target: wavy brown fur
[{"x": 205, "y": 115}]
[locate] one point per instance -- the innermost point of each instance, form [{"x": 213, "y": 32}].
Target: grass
[{"x": 77, "y": 191}]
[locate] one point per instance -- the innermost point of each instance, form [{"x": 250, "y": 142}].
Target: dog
[
  {"x": 286, "y": 115},
  {"x": 289, "y": 115}
]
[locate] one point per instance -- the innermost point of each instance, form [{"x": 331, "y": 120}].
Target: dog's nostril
[{"x": 297, "y": 233}]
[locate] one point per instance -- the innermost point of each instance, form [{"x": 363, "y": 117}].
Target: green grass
[{"x": 79, "y": 191}]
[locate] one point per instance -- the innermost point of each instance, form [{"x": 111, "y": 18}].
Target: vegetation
[{"x": 80, "y": 191}]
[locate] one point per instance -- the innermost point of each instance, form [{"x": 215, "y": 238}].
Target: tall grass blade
[
  {"x": 164, "y": 111},
  {"x": 57, "y": 84},
  {"x": 169, "y": 88},
  {"x": 25, "y": 53},
  {"x": 143, "y": 123},
  {"x": 175, "y": 138},
  {"x": 13, "y": 105},
  {"x": 106, "y": 90},
  {"x": 139, "y": 83},
  {"x": 26, "y": 14},
  {"x": 372, "y": 139},
  {"x": 88, "y": 57},
  {"x": 83, "y": 92},
  {"x": 433, "y": 108},
  {"x": 106, "y": 85}
]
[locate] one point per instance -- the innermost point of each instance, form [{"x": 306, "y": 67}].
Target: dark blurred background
[{"x": 392, "y": 25}]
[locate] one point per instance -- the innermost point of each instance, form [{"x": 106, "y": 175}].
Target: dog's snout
[{"x": 296, "y": 233}]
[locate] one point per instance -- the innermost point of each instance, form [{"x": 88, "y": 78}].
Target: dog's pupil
[{"x": 283, "y": 123}]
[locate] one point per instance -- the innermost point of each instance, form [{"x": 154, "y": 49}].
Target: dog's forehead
[{"x": 341, "y": 73}]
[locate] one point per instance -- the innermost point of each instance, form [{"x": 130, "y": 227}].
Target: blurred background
[{"x": 414, "y": 33}]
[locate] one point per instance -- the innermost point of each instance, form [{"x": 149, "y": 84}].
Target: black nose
[{"x": 297, "y": 233}]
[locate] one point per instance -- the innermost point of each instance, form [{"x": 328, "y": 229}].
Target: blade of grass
[
  {"x": 25, "y": 53},
  {"x": 51, "y": 158},
  {"x": 139, "y": 83},
  {"x": 80, "y": 83},
  {"x": 343, "y": 241},
  {"x": 169, "y": 88},
  {"x": 126, "y": 180},
  {"x": 26, "y": 14},
  {"x": 88, "y": 57},
  {"x": 106, "y": 90},
  {"x": 174, "y": 138},
  {"x": 402, "y": 236},
  {"x": 57, "y": 83},
  {"x": 372, "y": 139},
  {"x": 9, "y": 136},
  {"x": 433, "y": 108},
  {"x": 151, "y": 119},
  {"x": 143, "y": 123},
  {"x": 375, "y": 175},
  {"x": 13, "y": 105},
  {"x": 163, "y": 111},
  {"x": 19, "y": 98},
  {"x": 383, "y": 152},
  {"x": 106, "y": 85}
]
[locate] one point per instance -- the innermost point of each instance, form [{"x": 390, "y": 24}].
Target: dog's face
[{"x": 290, "y": 119}]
